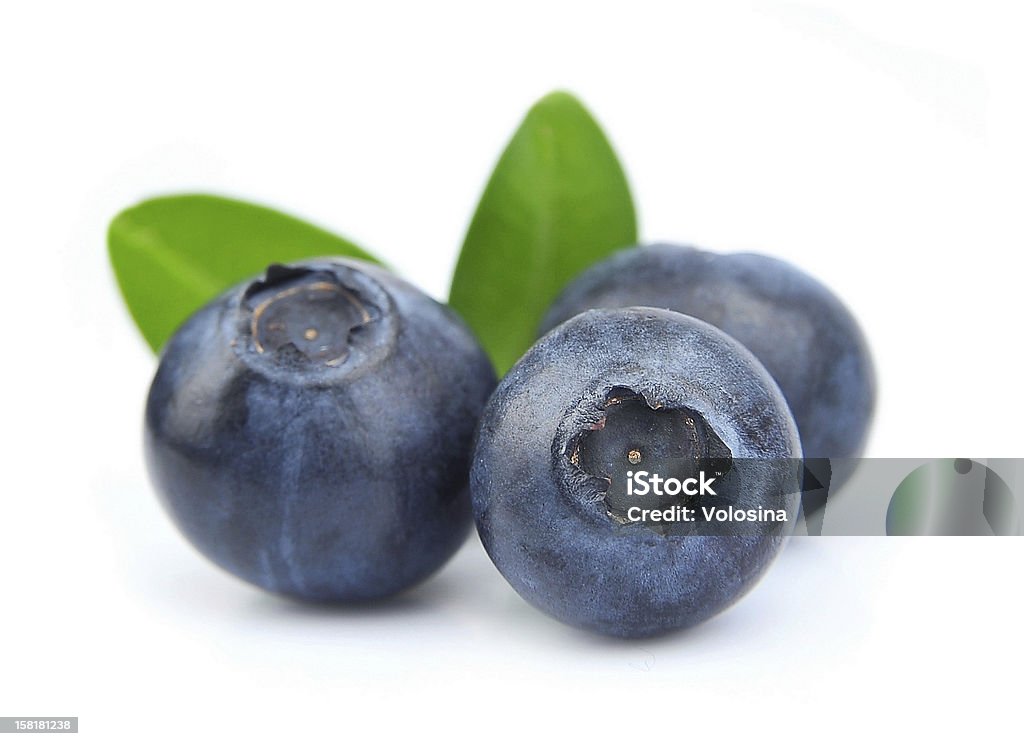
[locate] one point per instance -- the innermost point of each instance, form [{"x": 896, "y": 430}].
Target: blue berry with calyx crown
[
  {"x": 310, "y": 430},
  {"x": 600, "y": 397}
]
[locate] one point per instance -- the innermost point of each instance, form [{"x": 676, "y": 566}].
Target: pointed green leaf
[
  {"x": 173, "y": 254},
  {"x": 557, "y": 202}
]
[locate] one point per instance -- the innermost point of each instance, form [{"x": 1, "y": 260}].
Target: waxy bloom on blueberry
[
  {"x": 796, "y": 327},
  {"x": 605, "y": 394},
  {"x": 310, "y": 430}
]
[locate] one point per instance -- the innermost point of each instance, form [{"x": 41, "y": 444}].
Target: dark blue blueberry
[
  {"x": 310, "y": 431},
  {"x": 608, "y": 392},
  {"x": 795, "y": 326}
]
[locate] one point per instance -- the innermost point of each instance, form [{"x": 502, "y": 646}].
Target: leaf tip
[{"x": 558, "y": 99}]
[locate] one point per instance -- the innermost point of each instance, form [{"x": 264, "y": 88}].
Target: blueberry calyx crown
[
  {"x": 314, "y": 319},
  {"x": 634, "y": 435}
]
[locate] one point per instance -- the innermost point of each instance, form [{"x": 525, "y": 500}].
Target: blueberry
[
  {"x": 310, "y": 431},
  {"x": 604, "y": 394},
  {"x": 795, "y": 326}
]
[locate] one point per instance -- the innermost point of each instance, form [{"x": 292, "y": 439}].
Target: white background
[{"x": 877, "y": 145}]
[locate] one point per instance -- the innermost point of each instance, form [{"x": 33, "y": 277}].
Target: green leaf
[
  {"x": 173, "y": 254},
  {"x": 557, "y": 202}
]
